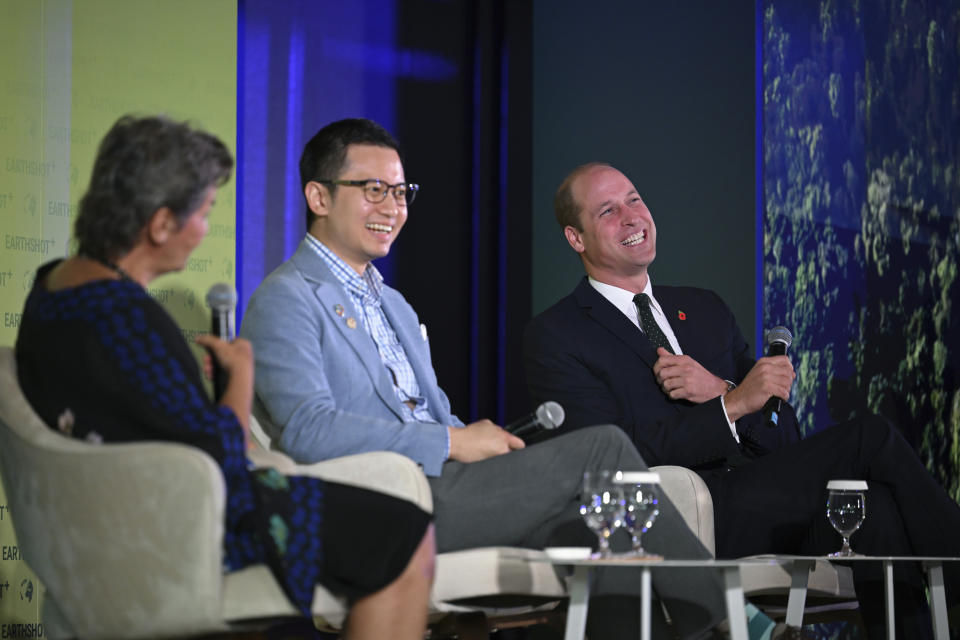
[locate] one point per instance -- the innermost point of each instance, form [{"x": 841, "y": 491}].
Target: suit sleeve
[
  {"x": 564, "y": 368},
  {"x": 756, "y": 437},
  {"x": 282, "y": 322},
  {"x": 598, "y": 379}
]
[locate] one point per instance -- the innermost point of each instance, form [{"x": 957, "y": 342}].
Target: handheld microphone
[
  {"x": 222, "y": 300},
  {"x": 778, "y": 339},
  {"x": 548, "y": 415}
]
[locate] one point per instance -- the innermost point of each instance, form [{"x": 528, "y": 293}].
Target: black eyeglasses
[{"x": 375, "y": 191}]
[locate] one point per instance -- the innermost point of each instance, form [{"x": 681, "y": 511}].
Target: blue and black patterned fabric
[{"x": 104, "y": 362}]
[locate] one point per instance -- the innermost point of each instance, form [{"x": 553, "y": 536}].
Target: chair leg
[
  {"x": 281, "y": 630},
  {"x": 464, "y": 626},
  {"x": 472, "y": 627}
]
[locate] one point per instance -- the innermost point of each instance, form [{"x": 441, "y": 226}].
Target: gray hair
[{"x": 142, "y": 165}]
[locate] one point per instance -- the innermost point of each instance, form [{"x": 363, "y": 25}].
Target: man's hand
[
  {"x": 682, "y": 378},
  {"x": 770, "y": 376},
  {"x": 481, "y": 440}
]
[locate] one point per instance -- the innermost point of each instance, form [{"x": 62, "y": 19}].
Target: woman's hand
[
  {"x": 229, "y": 355},
  {"x": 236, "y": 360}
]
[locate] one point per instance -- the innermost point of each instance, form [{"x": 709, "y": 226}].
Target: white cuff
[{"x": 726, "y": 416}]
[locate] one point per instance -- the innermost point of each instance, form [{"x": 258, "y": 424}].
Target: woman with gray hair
[{"x": 100, "y": 360}]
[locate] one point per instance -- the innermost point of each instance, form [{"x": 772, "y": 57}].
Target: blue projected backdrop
[
  {"x": 302, "y": 66},
  {"x": 861, "y": 185}
]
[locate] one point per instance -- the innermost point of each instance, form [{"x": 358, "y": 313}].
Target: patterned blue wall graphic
[{"x": 861, "y": 188}]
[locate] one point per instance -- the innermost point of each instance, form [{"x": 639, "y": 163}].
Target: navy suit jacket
[{"x": 585, "y": 354}]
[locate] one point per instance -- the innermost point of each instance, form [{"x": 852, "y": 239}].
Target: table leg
[
  {"x": 888, "y": 593},
  {"x": 733, "y": 594},
  {"x": 579, "y": 592},
  {"x": 938, "y": 600},
  {"x": 645, "y": 604},
  {"x": 797, "y": 600}
]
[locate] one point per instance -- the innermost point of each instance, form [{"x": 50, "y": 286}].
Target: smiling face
[
  {"x": 356, "y": 230},
  {"x": 618, "y": 239}
]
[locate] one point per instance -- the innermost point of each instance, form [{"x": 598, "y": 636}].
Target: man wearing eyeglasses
[
  {"x": 343, "y": 366},
  {"x": 342, "y": 363}
]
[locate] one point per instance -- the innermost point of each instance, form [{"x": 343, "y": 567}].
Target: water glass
[
  {"x": 602, "y": 507},
  {"x": 641, "y": 505},
  {"x": 846, "y": 509}
]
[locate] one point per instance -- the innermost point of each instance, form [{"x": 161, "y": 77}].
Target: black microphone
[
  {"x": 222, "y": 300},
  {"x": 548, "y": 415},
  {"x": 778, "y": 339}
]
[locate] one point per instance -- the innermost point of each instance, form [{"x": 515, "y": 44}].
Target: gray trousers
[{"x": 530, "y": 498}]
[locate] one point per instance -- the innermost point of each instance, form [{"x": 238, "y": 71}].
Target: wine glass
[
  {"x": 846, "y": 509},
  {"x": 641, "y": 506},
  {"x": 601, "y": 505}
]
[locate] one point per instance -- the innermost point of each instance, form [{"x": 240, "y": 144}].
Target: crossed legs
[
  {"x": 776, "y": 504},
  {"x": 530, "y": 498}
]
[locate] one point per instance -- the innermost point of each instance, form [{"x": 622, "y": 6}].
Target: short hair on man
[
  {"x": 144, "y": 164},
  {"x": 565, "y": 207},
  {"x": 325, "y": 155}
]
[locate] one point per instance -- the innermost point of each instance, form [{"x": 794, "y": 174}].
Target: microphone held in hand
[
  {"x": 778, "y": 340},
  {"x": 222, "y": 300},
  {"x": 548, "y": 415}
]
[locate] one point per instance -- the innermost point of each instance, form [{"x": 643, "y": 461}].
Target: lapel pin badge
[
  {"x": 338, "y": 309},
  {"x": 681, "y": 315},
  {"x": 351, "y": 323}
]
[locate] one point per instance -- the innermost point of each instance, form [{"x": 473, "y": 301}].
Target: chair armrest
[
  {"x": 384, "y": 471},
  {"x": 690, "y": 495},
  {"x": 258, "y": 436}
]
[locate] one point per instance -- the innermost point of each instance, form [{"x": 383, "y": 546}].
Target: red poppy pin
[{"x": 681, "y": 315}]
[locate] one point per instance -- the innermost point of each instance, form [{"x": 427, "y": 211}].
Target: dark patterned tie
[{"x": 648, "y": 324}]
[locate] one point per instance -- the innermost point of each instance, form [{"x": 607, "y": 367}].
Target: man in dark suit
[{"x": 670, "y": 366}]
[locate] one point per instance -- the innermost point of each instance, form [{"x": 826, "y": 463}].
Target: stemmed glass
[
  {"x": 641, "y": 506},
  {"x": 846, "y": 509},
  {"x": 602, "y": 507}
]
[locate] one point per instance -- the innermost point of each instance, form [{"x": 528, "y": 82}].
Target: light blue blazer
[{"x": 319, "y": 378}]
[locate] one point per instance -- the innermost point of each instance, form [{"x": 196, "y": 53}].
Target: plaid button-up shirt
[{"x": 365, "y": 291}]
